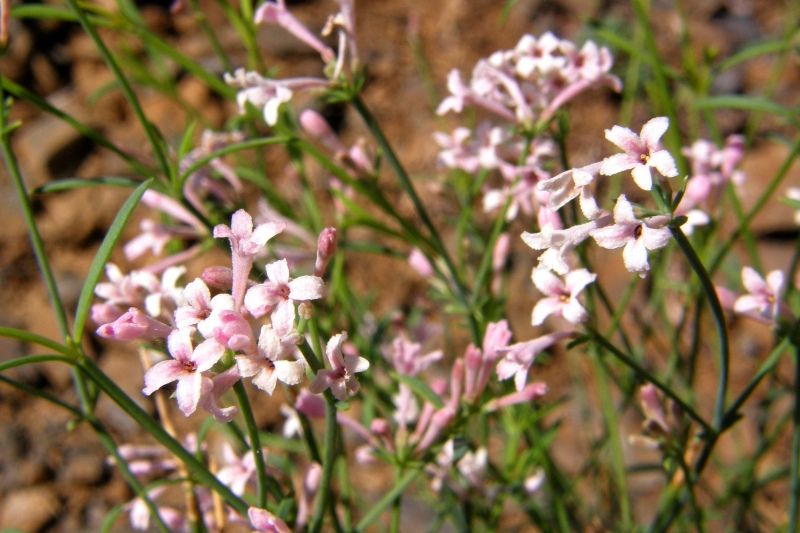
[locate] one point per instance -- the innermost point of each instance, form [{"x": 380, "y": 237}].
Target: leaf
[
  {"x": 69, "y": 184},
  {"x": 100, "y": 259},
  {"x": 420, "y": 388},
  {"x": 33, "y": 338},
  {"x": 745, "y": 103},
  {"x": 758, "y": 49},
  {"x": 34, "y": 359}
]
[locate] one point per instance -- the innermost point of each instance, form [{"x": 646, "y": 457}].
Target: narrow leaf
[
  {"x": 421, "y": 388},
  {"x": 100, "y": 259},
  {"x": 34, "y": 359},
  {"x": 32, "y": 338},
  {"x": 745, "y": 103},
  {"x": 69, "y": 184}
]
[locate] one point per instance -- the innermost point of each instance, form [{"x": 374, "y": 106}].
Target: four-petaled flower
[
  {"x": 637, "y": 236},
  {"x": 561, "y": 297},
  {"x": 642, "y": 152},
  {"x": 279, "y": 293},
  {"x": 763, "y": 300},
  {"x": 340, "y": 378},
  {"x": 187, "y": 367}
]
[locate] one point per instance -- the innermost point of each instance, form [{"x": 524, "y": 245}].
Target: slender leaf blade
[{"x": 100, "y": 259}]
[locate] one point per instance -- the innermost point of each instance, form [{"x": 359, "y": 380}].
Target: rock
[{"x": 29, "y": 509}]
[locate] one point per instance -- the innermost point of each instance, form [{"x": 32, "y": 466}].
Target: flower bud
[{"x": 326, "y": 248}]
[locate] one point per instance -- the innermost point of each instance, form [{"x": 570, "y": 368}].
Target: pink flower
[
  {"x": 642, "y": 152},
  {"x": 341, "y": 377},
  {"x": 763, "y": 300},
  {"x": 279, "y": 293},
  {"x": 572, "y": 184},
  {"x": 246, "y": 243},
  {"x": 186, "y": 367},
  {"x": 263, "y": 520},
  {"x": 519, "y": 357},
  {"x": 637, "y": 236},
  {"x": 134, "y": 325},
  {"x": 276, "y": 13},
  {"x": 199, "y": 305},
  {"x": 561, "y": 297},
  {"x": 238, "y": 471},
  {"x": 558, "y": 243},
  {"x": 274, "y": 360}
]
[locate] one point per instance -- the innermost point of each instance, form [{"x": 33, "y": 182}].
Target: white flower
[{"x": 637, "y": 236}]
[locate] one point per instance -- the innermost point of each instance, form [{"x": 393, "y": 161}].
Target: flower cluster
[{"x": 246, "y": 330}]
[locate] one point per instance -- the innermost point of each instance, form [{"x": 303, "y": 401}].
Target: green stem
[
  {"x": 328, "y": 462},
  {"x": 387, "y": 499},
  {"x": 408, "y": 187},
  {"x": 719, "y": 322},
  {"x": 647, "y": 376},
  {"x": 198, "y": 470},
  {"x": 255, "y": 444},
  {"x": 150, "y": 131},
  {"x": 794, "y": 468},
  {"x": 30, "y": 220}
]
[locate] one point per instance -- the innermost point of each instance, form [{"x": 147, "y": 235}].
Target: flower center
[{"x": 637, "y": 231}]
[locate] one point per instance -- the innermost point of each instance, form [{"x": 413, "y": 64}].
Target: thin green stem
[
  {"x": 794, "y": 468},
  {"x": 719, "y": 322},
  {"x": 30, "y": 220},
  {"x": 647, "y": 376},
  {"x": 255, "y": 444},
  {"x": 387, "y": 499},
  {"x": 198, "y": 470},
  {"x": 328, "y": 463},
  {"x": 150, "y": 131},
  {"x": 408, "y": 187}
]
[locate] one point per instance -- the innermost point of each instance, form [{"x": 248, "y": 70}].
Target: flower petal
[
  {"x": 160, "y": 374},
  {"x": 653, "y": 130},
  {"x": 306, "y": 288}
]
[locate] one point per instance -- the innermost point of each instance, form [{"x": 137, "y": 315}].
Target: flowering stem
[
  {"x": 719, "y": 322},
  {"x": 794, "y": 469},
  {"x": 328, "y": 462},
  {"x": 156, "y": 142},
  {"x": 387, "y": 499},
  {"x": 647, "y": 376},
  {"x": 408, "y": 187},
  {"x": 255, "y": 443},
  {"x": 199, "y": 472},
  {"x": 30, "y": 221}
]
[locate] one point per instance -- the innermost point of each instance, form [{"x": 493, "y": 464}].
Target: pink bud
[
  {"x": 531, "y": 392},
  {"x": 310, "y": 405},
  {"x": 420, "y": 263},
  {"x": 134, "y": 325},
  {"x": 326, "y": 247},
  {"x": 218, "y": 277},
  {"x": 653, "y": 410},
  {"x": 440, "y": 420},
  {"x": 318, "y": 129},
  {"x": 105, "y": 313}
]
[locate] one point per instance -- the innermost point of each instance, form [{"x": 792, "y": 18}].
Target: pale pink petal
[
  {"x": 664, "y": 163},
  {"x": 612, "y": 237},
  {"x": 197, "y": 294},
  {"x": 655, "y": 238},
  {"x": 653, "y": 130},
  {"x": 179, "y": 344},
  {"x": 266, "y": 380},
  {"x": 623, "y": 211},
  {"x": 306, "y": 288},
  {"x": 616, "y": 163},
  {"x": 258, "y": 300},
  {"x": 574, "y": 312},
  {"x": 624, "y": 138},
  {"x": 752, "y": 281},
  {"x": 263, "y": 520},
  {"x": 190, "y": 389},
  {"x": 339, "y": 389},
  {"x": 242, "y": 224},
  {"x": 635, "y": 256},
  {"x": 748, "y": 304},
  {"x": 160, "y": 374},
  {"x": 264, "y": 232},
  {"x": 355, "y": 364},
  {"x": 334, "y": 350},
  {"x": 547, "y": 282},
  {"x": 321, "y": 382},
  {"x": 207, "y": 354},
  {"x": 642, "y": 177},
  {"x": 577, "y": 280},
  {"x": 544, "y": 308},
  {"x": 250, "y": 365},
  {"x": 278, "y": 272},
  {"x": 284, "y": 313},
  {"x": 290, "y": 372},
  {"x": 775, "y": 282}
]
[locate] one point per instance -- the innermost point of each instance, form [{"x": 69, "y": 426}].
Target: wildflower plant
[{"x": 451, "y": 402}]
